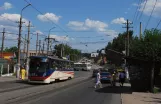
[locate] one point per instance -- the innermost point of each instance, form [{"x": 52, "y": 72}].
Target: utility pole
[
  {"x": 27, "y": 54},
  {"x": 19, "y": 47},
  {"x": 2, "y": 42},
  {"x": 39, "y": 46},
  {"x": 19, "y": 42},
  {"x": 37, "y": 43},
  {"x": 127, "y": 38},
  {"x": 25, "y": 47},
  {"x": 43, "y": 48},
  {"x": 48, "y": 45},
  {"x": 140, "y": 30}
]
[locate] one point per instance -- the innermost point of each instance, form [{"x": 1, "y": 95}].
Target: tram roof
[{"x": 55, "y": 58}]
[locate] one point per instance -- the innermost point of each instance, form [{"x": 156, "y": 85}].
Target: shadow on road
[{"x": 115, "y": 89}]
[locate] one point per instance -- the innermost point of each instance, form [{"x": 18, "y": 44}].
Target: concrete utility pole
[
  {"x": 127, "y": 38},
  {"x": 24, "y": 51},
  {"x": 37, "y": 43},
  {"x": 140, "y": 30},
  {"x": 39, "y": 46},
  {"x": 28, "y": 46},
  {"x": 49, "y": 40},
  {"x": 2, "y": 42},
  {"x": 43, "y": 48},
  {"x": 19, "y": 42}
]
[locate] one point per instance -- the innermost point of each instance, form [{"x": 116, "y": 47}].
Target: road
[
  {"x": 79, "y": 90},
  {"x": 15, "y": 85},
  {"x": 83, "y": 93}
]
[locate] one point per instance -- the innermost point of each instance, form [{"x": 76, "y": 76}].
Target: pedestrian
[
  {"x": 23, "y": 73},
  {"x": 113, "y": 79},
  {"x": 122, "y": 78},
  {"x": 98, "y": 80}
]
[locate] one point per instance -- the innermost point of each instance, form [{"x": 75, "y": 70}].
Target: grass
[{"x": 156, "y": 90}]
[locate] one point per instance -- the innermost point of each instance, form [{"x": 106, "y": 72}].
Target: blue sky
[{"x": 100, "y": 20}]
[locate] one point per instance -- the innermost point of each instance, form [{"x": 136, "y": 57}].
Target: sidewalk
[
  {"x": 140, "y": 98},
  {"x": 8, "y": 78}
]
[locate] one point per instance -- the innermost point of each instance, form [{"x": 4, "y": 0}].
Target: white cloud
[
  {"x": 11, "y": 19},
  {"x": 8, "y": 21},
  {"x": 149, "y": 7},
  {"x": 135, "y": 4},
  {"x": 118, "y": 20},
  {"x": 10, "y": 31},
  {"x": 38, "y": 31},
  {"x": 72, "y": 39},
  {"x": 89, "y": 24},
  {"x": 48, "y": 17},
  {"x": 59, "y": 38},
  {"x": 7, "y": 5},
  {"x": 76, "y": 25}
]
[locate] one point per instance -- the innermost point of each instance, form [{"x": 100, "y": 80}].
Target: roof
[
  {"x": 55, "y": 58},
  {"x": 10, "y": 54}
]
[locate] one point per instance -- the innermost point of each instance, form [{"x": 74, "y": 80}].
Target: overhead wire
[
  {"x": 136, "y": 11},
  {"x": 151, "y": 14},
  {"x": 145, "y": 2},
  {"x": 45, "y": 16}
]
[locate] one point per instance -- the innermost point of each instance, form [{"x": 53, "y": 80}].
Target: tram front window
[{"x": 38, "y": 66}]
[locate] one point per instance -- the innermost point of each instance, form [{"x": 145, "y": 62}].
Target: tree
[
  {"x": 118, "y": 43},
  {"x": 11, "y": 49},
  {"x": 64, "y": 50}
]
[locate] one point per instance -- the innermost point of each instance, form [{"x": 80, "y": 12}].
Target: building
[{"x": 7, "y": 55}]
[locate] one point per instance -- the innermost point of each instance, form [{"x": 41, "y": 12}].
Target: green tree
[
  {"x": 67, "y": 51},
  {"x": 11, "y": 49},
  {"x": 148, "y": 47},
  {"x": 118, "y": 43}
]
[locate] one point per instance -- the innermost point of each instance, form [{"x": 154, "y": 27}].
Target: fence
[{"x": 6, "y": 68}]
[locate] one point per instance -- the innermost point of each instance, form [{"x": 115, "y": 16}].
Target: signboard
[{"x": 94, "y": 54}]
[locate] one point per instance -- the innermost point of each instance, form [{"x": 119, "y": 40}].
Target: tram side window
[{"x": 54, "y": 65}]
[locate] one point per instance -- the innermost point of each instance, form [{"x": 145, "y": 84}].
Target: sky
[{"x": 87, "y": 25}]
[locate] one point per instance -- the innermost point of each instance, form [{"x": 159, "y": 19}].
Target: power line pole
[
  {"x": 39, "y": 46},
  {"x": 25, "y": 47},
  {"x": 140, "y": 30},
  {"x": 2, "y": 42},
  {"x": 36, "y": 43},
  {"x": 127, "y": 38},
  {"x": 27, "y": 54},
  {"x": 43, "y": 48},
  {"x": 19, "y": 47}
]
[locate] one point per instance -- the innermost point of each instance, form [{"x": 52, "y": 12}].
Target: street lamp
[
  {"x": 48, "y": 40},
  {"x": 19, "y": 41}
]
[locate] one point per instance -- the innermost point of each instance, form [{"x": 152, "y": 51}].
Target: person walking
[
  {"x": 23, "y": 73},
  {"x": 98, "y": 80},
  {"x": 113, "y": 79},
  {"x": 122, "y": 78}
]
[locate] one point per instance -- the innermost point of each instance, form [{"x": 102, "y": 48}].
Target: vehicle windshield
[
  {"x": 41, "y": 67},
  {"x": 38, "y": 66}
]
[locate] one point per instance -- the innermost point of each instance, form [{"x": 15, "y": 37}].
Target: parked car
[{"x": 105, "y": 76}]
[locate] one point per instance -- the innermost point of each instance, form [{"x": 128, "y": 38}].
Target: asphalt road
[
  {"x": 83, "y": 93},
  {"x": 79, "y": 90},
  {"x": 20, "y": 84}
]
